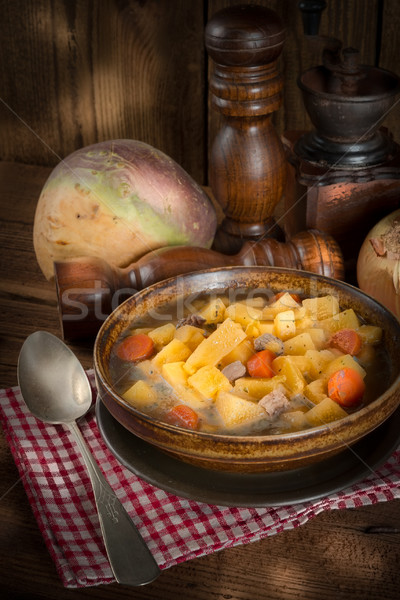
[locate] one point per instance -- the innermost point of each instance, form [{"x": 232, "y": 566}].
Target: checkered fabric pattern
[{"x": 175, "y": 529}]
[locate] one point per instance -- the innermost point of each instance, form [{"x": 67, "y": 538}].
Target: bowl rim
[{"x": 264, "y": 439}]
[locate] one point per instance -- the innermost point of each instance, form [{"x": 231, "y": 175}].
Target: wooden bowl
[{"x": 254, "y": 453}]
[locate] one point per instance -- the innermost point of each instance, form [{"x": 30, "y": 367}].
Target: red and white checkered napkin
[{"x": 175, "y": 529}]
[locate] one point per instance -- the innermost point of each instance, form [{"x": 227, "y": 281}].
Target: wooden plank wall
[{"x": 74, "y": 72}]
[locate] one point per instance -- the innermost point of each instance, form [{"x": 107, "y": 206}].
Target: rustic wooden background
[{"x": 74, "y": 72}]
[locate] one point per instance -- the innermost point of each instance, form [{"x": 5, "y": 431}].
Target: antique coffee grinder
[{"x": 347, "y": 169}]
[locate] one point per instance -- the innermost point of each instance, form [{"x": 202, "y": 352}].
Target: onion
[
  {"x": 118, "y": 200},
  {"x": 378, "y": 264}
]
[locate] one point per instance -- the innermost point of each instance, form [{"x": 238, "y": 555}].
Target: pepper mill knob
[
  {"x": 311, "y": 11},
  {"x": 247, "y": 161}
]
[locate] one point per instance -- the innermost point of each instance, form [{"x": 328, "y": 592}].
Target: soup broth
[{"x": 249, "y": 362}]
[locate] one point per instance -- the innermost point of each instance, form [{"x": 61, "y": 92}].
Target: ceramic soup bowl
[{"x": 254, "y": 452}]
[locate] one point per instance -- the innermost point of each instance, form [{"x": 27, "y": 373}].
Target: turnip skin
[{"x": 118, "y": 200}]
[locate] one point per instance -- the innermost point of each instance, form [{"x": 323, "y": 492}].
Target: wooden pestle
[{"x": 89, "y": 288}]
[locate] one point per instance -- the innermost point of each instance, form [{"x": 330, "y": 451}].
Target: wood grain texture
[
  {"x": 355, "y": 22},
  {"x": 330, "y": 557},
  {"x": 75, "y": 72},
  {"x": 388, "y": 56},
  {"x": 82, "y": 71}
]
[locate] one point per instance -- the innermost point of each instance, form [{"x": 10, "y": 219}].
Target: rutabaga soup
[{"x": 255, "y": 365}]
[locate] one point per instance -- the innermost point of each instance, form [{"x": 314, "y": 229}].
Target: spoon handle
[{"x": 130, "y": 559}]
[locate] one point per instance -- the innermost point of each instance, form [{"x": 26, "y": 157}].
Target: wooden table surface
[{"x": 345, "y": 554}]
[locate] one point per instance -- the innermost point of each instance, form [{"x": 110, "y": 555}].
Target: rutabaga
[{"x": 118, "y": 200}]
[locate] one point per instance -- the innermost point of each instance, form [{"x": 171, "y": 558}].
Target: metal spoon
[{"x": 56, "y": 390}]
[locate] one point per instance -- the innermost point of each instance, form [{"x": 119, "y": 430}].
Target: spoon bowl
[
  {"x": 56, "y": 390},
  {"x": 45, "y": 365}
]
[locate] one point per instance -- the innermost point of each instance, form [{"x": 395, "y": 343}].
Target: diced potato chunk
[
  {"x": 212, "y": 349},
  {"x": 145, "y": 367},
  {"x": 244, "y": 395},
  {"x": 162, "y": 335},
  {"x": 366, "y": 356},
  {"x": 304, "y": 324},
  {"x": 303, "y": 363},
  {"x": 322, "y": 307},
  {"x": 147, "y": 371},
  {"x": 140, "y": 394},
  {"x": 319, "y": 336},
  {"x": 172, "y": 352},
  {"x": 325, "y": 412},
  {"x": 243, "y": 313},
  {"x": 252, "y": 331},
  {"x": 370, "y": 334},
  {"x": 242, "y": 352},
  {"x": 294, "y": 380},
  {"x": 316, "y": 390},
  {"x": 340, "y": 363},
  {"x": 189, "y": 335},
  {"x": 283, "y": 304},
  {"x": 299, "y": 314},
  {"x": 347, "y": 319},
  {"x": 319, "y": 361},
  {"x": 174, "y": 373},
  {"x": 176, "y": 376},
  {"x": 208, "y": 381},
  {"x": 265, "y": 327},
  {"x": 256, "y": 301},
  {"x": 137, "y": 330},
  {"x": 299, "y": 344},
  {"x": 287, "y": 301},
  {"x": 258, "y": 387},
  {"x": 295, "y": 420},
  {"x": 213, "y": 311},
  {"x": 284, "y": 325},
  {"x": 236, "y": 411}
]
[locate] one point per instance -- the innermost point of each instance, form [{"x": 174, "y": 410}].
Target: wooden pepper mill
[
  {"x": 89, "y": 288},
  {"x": 247, "y": 161}
]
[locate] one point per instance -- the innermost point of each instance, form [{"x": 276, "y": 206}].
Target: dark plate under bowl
[{"x": 255, "y": 490}]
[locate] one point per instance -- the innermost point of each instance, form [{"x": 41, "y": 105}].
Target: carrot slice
[
  {"x": 182, "y": 415},
  {"x": 260, "y": 364},
  {"x": 346, "y": 387},
  {"x": 347, "y": 341},
  {"x": 135, "y": 347}
]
